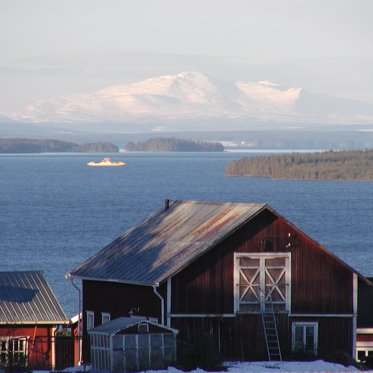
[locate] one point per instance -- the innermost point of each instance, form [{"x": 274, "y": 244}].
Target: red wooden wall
[{"x": 39, "y": 342}]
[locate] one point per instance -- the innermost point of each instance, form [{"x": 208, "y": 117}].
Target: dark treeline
[
  {"x": 160, "y": 144},
  {"x": 330, "y": 165},
  {"x": 19, "y": 145}
]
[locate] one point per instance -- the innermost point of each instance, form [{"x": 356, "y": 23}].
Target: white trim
[
  {"x": 191, "y": 315},
  {"x": 141, "y": 325},
  {"x": 103, "y": 315},
  {"x": 366, "y": 351},
  {"x": 364, "y": 330},
  {"x": 343, "y": 315},
  {"x": 286, "y": 255},
  {"x": 162, "y": 303},
  {"x": 169, "y": 289},
  {"x": 53, "y": 347},
  {"x": 315, "y": 325},
  {"x": 364, "y": 344},
  {"x": 354, "y": 320},
  {"x": 235, "y": 282}
]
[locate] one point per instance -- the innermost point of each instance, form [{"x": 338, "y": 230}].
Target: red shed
[
  {"x": 240, "y": 272},
  {"x": 29, "y": 316}
]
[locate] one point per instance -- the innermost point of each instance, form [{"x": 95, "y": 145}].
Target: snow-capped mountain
[{"x": 190, "y": 96}]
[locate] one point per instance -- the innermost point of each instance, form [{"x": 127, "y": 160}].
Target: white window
[
  {"x": 13, "y": 351},
  {"x": 90, "y": 320},
  {"x": 143, "y": 327},
  {"x": 105, "y": 317},
  {"x": 304, "y": 337},
  {"x": 363, "y": 353},
  {"x": 261, "y": 280}
]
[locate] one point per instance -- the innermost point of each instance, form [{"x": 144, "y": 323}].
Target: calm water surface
[{"x": 55, "y": 211}]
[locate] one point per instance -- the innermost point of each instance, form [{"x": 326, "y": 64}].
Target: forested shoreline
[
  {"x": 328, "y": 165},
  {"x": 22, "y": 145},
  {"x": 164, "y": 144}
]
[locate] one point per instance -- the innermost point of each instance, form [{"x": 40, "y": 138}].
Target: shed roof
[
  {"x": 26, "y": 297},
  {"x": 170, "y": 239},
  {"x": 122, "y": 323},
  {"x": 167, "y": 241}
]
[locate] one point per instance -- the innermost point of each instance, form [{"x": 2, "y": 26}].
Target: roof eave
[
  {"x": 54, "y": 322},
  {"x": 87, "y": 278}
]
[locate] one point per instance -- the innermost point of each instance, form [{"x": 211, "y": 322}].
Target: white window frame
[
  {"x": 366, "y": 351},
  {"x": 14, "y": 352},
  {"x": 105, "y": 317},
  {"x": 237, "y": 256},
  {"x": 305, "y": 324},
  {"x": 143, "y": 327},
  {"x": 90, "y": 320}
]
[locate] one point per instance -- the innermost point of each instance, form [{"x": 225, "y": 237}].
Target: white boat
[{"x": 106, "y": 162}]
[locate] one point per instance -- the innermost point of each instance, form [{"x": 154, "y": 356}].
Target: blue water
[{"x": 55, "y": 212}]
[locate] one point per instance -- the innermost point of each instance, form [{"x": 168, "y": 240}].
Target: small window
[
  {"x": 90, "y": 320},
  {"x": 143, "y": 327},
  {"x": 105, "y": 317},
  {"x": 13, "y": 351},
  {"x": 304, "y": 337},
  {"x": 363, "y": 353}
]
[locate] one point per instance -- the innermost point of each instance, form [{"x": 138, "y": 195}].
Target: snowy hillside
[{"x": 192, "y": 96}]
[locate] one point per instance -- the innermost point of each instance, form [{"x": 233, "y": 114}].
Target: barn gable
[
  {"x": 168, "y": 241},
  {"x": 217, "y": 268}
]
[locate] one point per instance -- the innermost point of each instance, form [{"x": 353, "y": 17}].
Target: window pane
[
  {"x": 361, "y": 355},
  {"x": 275, "y": 262},
  {"x": 249, "y": 262},
  {"x": 251, "y": 295},
  {"x": 249, "y": 274},
  {"x": 298, "y": 340},
  {"x": 310, "y": 339}
]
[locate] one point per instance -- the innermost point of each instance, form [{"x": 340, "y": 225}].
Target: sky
[{"x": 57, "y": 47}]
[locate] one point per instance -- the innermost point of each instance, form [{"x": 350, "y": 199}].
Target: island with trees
[
  {"x": 23, "y": 146},
  {"x": 172, "y": 144},
  {"x": 328, "y": 165}
]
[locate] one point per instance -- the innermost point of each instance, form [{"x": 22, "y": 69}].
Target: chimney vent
[{"x": 166, "y": 204}]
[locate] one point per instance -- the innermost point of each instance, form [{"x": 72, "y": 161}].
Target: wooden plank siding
[
  {"x": 118, "y": 299},
  {"x": 39, "y": 345},
  {"x": 320, "y": 285}
]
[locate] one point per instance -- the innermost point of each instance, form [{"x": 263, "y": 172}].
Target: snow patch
[{"x": 274, "y": 367}]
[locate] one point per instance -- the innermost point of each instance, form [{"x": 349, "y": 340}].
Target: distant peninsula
[
  {"x": 172, "y": 144},
  {"x": 21, "y": 145},
  {"x": 329, "y": 165}
]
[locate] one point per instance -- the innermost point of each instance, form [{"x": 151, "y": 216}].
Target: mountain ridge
[{"x": 194, "y": 96}]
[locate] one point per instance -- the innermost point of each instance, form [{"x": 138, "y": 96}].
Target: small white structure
[{"x": 130, "y": 344}]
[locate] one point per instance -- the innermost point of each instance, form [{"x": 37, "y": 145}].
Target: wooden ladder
[{"x": 270, "y": 331}]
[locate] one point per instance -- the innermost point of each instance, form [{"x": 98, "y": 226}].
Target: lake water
[{"x": 55, "y": 212}]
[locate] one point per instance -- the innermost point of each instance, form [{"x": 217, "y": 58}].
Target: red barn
[
  {"x": 29, "y": 316},
  {"x": 239, "y": 272}
]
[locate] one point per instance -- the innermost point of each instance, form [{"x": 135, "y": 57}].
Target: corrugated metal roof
[
  {"x": 26, "y": 297},
  {"x": 122, "y": 323},
  {"x": 166, "y": 242}
]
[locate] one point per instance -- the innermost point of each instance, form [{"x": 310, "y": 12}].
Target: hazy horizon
[{"x": 66, "y": 47}]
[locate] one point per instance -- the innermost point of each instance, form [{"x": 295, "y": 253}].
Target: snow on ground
[{"x": 274, "y": 367}]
